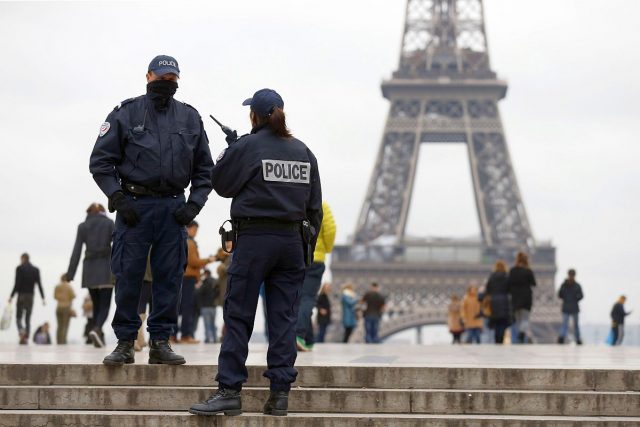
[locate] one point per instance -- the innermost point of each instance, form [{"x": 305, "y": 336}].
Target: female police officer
[{"x": 274, "y": 182}]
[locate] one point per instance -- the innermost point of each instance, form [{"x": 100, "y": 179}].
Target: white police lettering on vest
[{"x": 286, "y": 171}]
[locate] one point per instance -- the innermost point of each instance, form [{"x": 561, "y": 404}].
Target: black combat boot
[
  {"x": 224, "y": 400},
  {"x": 122, "y": 354},
  {"x": 160, "y": 352},
  {"x": 277, "y": 404}
]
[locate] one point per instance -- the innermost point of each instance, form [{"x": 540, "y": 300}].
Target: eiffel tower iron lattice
[{"x": 444, "y": 91}]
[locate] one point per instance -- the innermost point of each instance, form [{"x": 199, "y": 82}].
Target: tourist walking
[
  {"x": 618, "y": 314},
  {"x": 349, "y": 317},
  {"x": 374, "y": 307},
  {"x": 65, "y": 295},
  {"x": 497, "y": 290},
  {"x": 454, "y": 320},
  {"x": 195, "y": 264},
  {"x": 313, "y": 280},
  {"x": 571, "y": 294},
  {"x": 276, "y": 212},
  {"x": 87, "y": 311},
  {"x": 149, "y": 150},
  {"x": 520, "y": 282},
  {"x": 27, "y": 277},
  {"x": 206, "y": 297},
  {"x": 323, "y": 318},
  {"x": 95, "y": 234},
  {"x": 471, "y": 315}
]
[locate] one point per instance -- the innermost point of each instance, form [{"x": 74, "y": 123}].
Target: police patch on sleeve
[
  {"x": 221, "y": 155},
  {"x": 286, "y": 171},
  {"x": 104, "y": 128}
]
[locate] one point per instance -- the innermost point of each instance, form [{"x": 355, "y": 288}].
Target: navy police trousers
[
  {"x": 158, "y": 230},
  {"x": 275, "y": 257}
]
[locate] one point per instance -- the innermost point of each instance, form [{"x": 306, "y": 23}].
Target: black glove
[
  {"x": 120, "y": 203},
  {"x": 231, "y": 137},
  {"x": 187, "y": 213}
]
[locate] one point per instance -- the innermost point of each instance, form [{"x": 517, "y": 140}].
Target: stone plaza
[{"x": 338, "y": 385}]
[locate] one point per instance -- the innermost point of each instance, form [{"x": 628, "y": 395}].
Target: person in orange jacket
[{"x": 195, "y": 264}]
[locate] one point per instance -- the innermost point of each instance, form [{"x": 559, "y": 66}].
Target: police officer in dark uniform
[
  {"x": 277, "y": 206},
  {"x": 148, "y": 151}
]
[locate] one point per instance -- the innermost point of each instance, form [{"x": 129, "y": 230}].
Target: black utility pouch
[
  {"x": 229, "y": 236},
  {"x": 307, "y": 236}
]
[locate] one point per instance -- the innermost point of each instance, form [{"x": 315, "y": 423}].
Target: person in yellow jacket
[{"x": 313, "y": 280}]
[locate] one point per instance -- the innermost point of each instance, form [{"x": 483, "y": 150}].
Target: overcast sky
[{"x": 570, "y": 116}]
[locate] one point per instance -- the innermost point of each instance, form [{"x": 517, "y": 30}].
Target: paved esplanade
[
  {"x": 514, "y": 356},
  {"x": 338, "y": 385}
]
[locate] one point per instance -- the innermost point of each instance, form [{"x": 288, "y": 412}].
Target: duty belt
[
  {"x": 141, "y": 190},
  {"x": 266, "y": 223}
]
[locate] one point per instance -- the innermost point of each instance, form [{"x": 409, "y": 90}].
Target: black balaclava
[{"x": 160, "y": 92}]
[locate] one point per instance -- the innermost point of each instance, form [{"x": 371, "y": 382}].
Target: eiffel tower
[{"x": 444, "y": 91}]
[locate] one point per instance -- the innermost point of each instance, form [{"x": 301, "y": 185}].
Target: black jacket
[
  {"x": 162, "y": 150},
  {"x": 618, "y": 314},
  {"x": 270, "y": 177},
  {"x": 498, "y": 289},
  {"x": 95, "y": 233},
  {"x": 520, "y": 282},
  {"x": 323, "y": 302},
  {"x": 27, "y": 276},
  {"x": 570, "y": 293},
  {"x": 208, "y": 293}
]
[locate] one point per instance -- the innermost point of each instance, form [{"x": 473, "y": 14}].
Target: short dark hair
[
  {"x": 25, "y": 256},
  {"x": 375, "y": 285},
  {"x": 572, "y": 272},
  {"x": 193, "y": 224},
  {"x": 207, "y": 272}
]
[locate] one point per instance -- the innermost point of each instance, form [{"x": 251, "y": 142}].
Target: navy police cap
[
  {"x": 264, "y": 101},
  {"x": 164, "y": 64}
]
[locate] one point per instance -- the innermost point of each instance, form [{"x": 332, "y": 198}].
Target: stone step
[
  {"x": 391, "y": 377},
  {"x": 331, "y": 400},
  {"x": 183, "y": 419}
]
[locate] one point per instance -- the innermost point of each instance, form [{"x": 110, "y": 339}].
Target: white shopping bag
[{"x": 5, "y": 322}]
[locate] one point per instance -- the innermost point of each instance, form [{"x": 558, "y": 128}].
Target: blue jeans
[
  {"x": 565, "y": 325},
  {"x": 310, "y": 289},
  {"x": 371, "y": 326},
  {"x": 209, "y": 319},
  {"x": 322, "y": 332},
  {"x": 188, "y": 307},
  {"x": 473, "y": 335}
]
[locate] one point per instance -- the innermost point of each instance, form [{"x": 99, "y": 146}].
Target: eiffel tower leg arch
[{"x": 443, "y": 91}]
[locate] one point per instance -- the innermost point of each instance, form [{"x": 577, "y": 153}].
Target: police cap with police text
[
  {"x": 264, "y": 101},
  {"x": 164, "y": 64}
]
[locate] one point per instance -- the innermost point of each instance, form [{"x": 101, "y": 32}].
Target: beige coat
[
  {"x": 470, "y": 311},
  {"x": 64, "y": 294},
  {"x": 453, "y": 319}
]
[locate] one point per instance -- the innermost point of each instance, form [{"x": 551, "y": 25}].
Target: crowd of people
[
  {"x": 504, "y": 306},
  {"x": 201, "y": 294}
]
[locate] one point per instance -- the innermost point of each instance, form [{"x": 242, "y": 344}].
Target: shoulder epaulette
[
  {"x": 126, "y": 101},
  {"x": 190, "y": 106}
]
